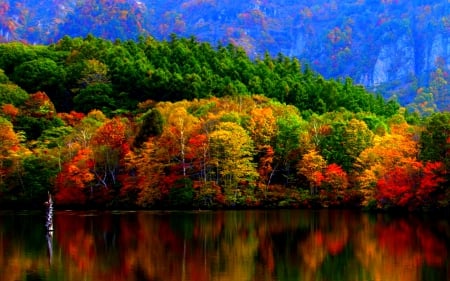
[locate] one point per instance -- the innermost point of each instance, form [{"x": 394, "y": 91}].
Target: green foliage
[
  {"x": 235, "y": 130},
  {"x": 34, "y": 126},
  {"x": 41, "y": 74},
  {"x": 89, "y": 73},
  {"x": 3, "y": 77},
  {"x": 435, "y": 139},
  {"x": 39, "y": 173},
  {"x": 13, "y": 94},
  {"x": 96, "y": 96},
  {"x": 346, "y": 141},
  {"x": 152, "y": 125}
]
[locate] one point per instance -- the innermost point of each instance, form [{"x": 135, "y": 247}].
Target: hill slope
[{"x": 398, "y": 47}]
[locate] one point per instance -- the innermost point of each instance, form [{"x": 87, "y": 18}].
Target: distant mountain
[{"x": 398, "y": 47}]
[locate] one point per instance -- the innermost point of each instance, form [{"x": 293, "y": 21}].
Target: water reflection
[{"x": 229, "y": 245}]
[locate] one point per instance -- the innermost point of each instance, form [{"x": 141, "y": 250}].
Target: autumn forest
[{"x": 182, "y": 124}]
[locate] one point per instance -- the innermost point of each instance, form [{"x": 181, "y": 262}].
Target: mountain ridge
[{"x": 396, "y": 47}]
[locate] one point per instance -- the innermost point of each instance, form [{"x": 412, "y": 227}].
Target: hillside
[
  {"x": 180, "y": 124},
  {"x": 397, "y": 47}
]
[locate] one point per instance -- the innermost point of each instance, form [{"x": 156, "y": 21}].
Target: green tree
[
  {"x": 151, "y": 126},
  {"x": 345, "y": 142},
  {"x": 290, "y": 126},
  {"x": 95, "y": 96},
  {"x": 39, "y": 173},
  {"x": 13, "y": 94},
  {"x": 45, "y": 75},
  {"x": 435, "y": 139}
]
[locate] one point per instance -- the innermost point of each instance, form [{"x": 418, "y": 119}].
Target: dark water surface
[{"x": 224, "y": 245}]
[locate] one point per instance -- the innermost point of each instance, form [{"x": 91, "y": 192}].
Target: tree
[
  {"x": 109, "y": 144},
  {"x": 262, "y": 126},
  {"x": 94, "y": 72},
  {"x": 179, "y": 128},
  {"x": 9, "y": 144},
  {"x": 39, "y": 172},
  {"x": 9, "y": 111},
  {"x": 12, "y": 94},
  {"x": 152, "y": 125},
  {"x": 145, "y": 171},
  {"x": 95, "y": 96},
  {"x": 265, "y": 166},
  {"x": 336, "y": 183},
  {"x": 411, "y": 186},
  {"x": 345, "y": 142},
  {"x": 42, "y": 74},
  {"x": 395, "y": 149},
  {"x": 231, "y": 155},
  {"x": 40, "y": 105},
  {"x": 434, "y": 140},
  {"x": 312, "y": 167},
  {"x": 74, "y": 179},
  {"x": 287, "y": 143}
]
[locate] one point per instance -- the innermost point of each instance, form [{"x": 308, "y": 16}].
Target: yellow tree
[
  {"x": 179, "y": 128},
  {"x": 396, "y": 149},
  {"x": 262, "y": 126},
  {"x": 312, "y": 166},
  {"x": 9, "y": 145},
  {"x": 232, "y": 152},
  {"x": 144, "y": 170}
]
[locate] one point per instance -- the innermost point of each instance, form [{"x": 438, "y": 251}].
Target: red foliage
[
  {"x": 10, "y": 110},
  {"x": 433, "y": 175},
  {"x": 336, "y": 176},
  {"x": 410, "y": 186},
  {"x": 318, "y": 178},
  {"x": 71, "y": 119},
  {"x": 396, "y": 186},
  {"x": 73, "y": 178},
  {"x": 265, "y": 162},
  {"x": 111, "y": 134},
  {"x": 40, "y": 105}
]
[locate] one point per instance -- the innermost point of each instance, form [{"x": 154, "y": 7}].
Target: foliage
[
  {"x": 221, "y": 131},
  {"x": 92, "y": 73}
]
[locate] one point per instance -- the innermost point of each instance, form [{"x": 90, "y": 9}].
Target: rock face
[
  {"x": 392, "y": 46},
  {"x": 394, "y": 61}
]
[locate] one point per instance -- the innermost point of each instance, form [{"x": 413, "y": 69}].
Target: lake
[{"x": 224, "y": 245}]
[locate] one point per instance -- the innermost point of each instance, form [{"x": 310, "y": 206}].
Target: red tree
[
  {"x": 75, "y": 176},
  {"x": 412, "y": 185}
]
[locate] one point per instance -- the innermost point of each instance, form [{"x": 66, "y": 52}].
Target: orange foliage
[
  {"x": 74, "y": 178},
  {"x": 311, "y": 166},
  {"x": 40, "y": 105},
  {"x": 111, "y": 134},
  {"x": 265, "y": 163},
  {"x": 10, "y": 110},
  {"x": 71, "y": 119},
  {"x": 336, "y": 177}
]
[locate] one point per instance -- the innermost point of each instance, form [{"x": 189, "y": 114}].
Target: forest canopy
[{"x": 180, "y": 124}]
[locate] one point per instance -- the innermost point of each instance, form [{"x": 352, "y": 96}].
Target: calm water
[{"x": 230, "y": 245}]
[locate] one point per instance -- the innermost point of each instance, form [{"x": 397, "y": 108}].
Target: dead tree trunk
[
  {"x": 49, "y": 228},
  {"x": 49, "y": 215}
]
